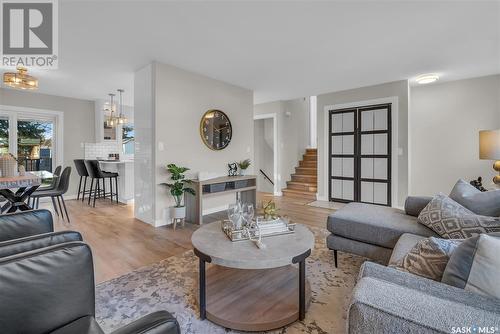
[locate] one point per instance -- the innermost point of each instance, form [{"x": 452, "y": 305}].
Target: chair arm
[
  {"x": 427, "y": 286},
  {"x": 16, "y": 246},
  {"x": 160, "y": 322},
  {"x": 25, "y": 224},
  {"x": 380, "y": 306},
  {"x": 415, "y": 204}
]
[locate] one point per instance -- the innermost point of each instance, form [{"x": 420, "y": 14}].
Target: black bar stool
[
  {"x": 97, "y": 174},
  {"x": 82, "y": 171}
]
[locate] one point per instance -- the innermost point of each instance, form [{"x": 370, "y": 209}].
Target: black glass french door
[{"x": 360, "y": 155}]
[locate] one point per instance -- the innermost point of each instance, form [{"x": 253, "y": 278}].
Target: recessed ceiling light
[{"x": 426, "y": 78}]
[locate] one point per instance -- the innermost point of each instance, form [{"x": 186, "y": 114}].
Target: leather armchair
[
  {"x": 25, "y": 224},
  {"x": 51, "y": 290},
  {"x": 21, "y": 245}
]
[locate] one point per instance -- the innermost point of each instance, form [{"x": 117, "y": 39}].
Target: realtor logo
[{"x": 29, "y": 33}]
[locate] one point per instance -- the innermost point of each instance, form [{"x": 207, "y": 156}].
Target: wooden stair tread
[
  {"x": 303, "y": 176},
  {"x": 304, "y": 182},
  {"x": 311, "y": 184},
  {"x": 299, "y": 193}
]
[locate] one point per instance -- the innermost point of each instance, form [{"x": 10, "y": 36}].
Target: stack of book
[{"x": 272, "y": 227}]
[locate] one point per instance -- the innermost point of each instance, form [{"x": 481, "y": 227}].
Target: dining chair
[
  {"x": 57, "y": 193},
  {"x": 96, "y": 174},
  {"x": 52, "y": 186}
]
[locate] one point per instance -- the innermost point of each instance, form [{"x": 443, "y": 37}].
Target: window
[
  {"x": 128, "y": 139},
  {"x": 34, "y": 144},
  {"x": 4, "y": 135},
  {"x": 32, "y": 136}
]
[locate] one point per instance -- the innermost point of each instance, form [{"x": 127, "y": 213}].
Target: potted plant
[
  {"x": 177, "y": 189},
  {"x": 243, "y": 165}
]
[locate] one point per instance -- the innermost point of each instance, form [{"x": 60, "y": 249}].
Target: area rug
[{"x": 172, "y": 285}]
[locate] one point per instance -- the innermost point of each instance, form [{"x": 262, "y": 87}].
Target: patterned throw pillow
[
  {"x": 452, "y": 221},
  {"x": 429, "y": 257}
]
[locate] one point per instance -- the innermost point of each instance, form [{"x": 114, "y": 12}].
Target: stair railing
[{"x": 266, "y": 177}]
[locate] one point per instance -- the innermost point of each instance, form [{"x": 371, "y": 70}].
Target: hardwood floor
[{"x": 120, "y": 243}]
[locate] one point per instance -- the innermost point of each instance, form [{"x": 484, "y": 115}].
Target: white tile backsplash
[{"x": 101, "y": 150}]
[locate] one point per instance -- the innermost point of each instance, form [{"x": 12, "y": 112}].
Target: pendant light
[
  {"x": 121, "y": 118},
  {"x": 110, "y": 108}
]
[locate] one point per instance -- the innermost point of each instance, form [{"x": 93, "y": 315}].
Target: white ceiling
[{"x": 279, "y": 49}]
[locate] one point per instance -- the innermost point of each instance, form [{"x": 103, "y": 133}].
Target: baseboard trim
[{"x": 215, "y": 209}]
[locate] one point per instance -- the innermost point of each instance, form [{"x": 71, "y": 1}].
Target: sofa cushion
[
  {"x": 482, "y": 203},
  {"x": 415, "y": 204},
  {"x": 451, "y": 220},
  {"x": 429, "y": 257},
  {"x": 374, "y": 224},
  {"x": 405, "y": 243},
  {"x": 380, "y": 306},
  {"x": 475, "y": 265},
  {"x": 373, "y": 252}
]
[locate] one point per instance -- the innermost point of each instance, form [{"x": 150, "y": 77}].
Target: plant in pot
[
  {"x": 178, "y": 187},
  {"x": 243, "y": 165}
]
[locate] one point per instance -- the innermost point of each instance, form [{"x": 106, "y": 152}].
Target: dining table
[{"x": 17, "y": 189}]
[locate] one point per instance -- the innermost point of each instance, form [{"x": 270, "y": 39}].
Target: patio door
[
  {"x": 35, "y": 139},
  {"x": 360, "y": 155},
  {"x": 32, "y": 137}
]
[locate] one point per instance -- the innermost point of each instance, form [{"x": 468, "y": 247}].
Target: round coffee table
[{"x": 251, "y": 289}]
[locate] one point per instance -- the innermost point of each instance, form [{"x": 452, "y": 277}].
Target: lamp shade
[{"x": 489, "y": 144}]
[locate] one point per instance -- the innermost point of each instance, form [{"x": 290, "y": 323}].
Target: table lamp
[{"x": 489, "y": 149}]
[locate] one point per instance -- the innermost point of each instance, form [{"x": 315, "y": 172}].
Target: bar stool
[
  {"x": 97, "y": 174},
  {"x": 83, "y": 173}
]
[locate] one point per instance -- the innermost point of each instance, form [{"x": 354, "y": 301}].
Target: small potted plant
[
  {"x": 177, "y": 190},
  {"x": 243, "y": 165}
]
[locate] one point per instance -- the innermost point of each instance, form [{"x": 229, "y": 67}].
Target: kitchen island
[{"x": 125, "y": 170}]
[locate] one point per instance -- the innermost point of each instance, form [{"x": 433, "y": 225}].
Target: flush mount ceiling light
[
  {"x": 426, "y": 78},
  {"x": 20, "y": 79}
]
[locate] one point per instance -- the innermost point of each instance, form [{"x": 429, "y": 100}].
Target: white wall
[
  {"x": 145, "y": 141},
  {"x": 78, "y": 122},
  {"x": 295, "y": 135},
  {"x": 292, "y": 119},
  {"x": 397, "y": 89},
  {"x": 445, "y": 119},
  {"x": 264, "y": 154},
  {"x": 180, "y": 98}
]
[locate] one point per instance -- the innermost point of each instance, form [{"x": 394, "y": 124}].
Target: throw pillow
[
  {"x": 482, "y": 203},
  {"x": 452, "y": 221},
  {"x": 475, "y": 265},
  {"x": 429, "y": 257}
]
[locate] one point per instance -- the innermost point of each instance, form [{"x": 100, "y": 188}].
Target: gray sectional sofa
[
  {"x": 372, "y": 231},
  {"x": 387, "y": 300}
]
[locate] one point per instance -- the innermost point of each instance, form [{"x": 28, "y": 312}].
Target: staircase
[{"x": 304, "y": 181}]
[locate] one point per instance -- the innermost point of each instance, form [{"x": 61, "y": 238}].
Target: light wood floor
[{"x": 120, "y": 243}]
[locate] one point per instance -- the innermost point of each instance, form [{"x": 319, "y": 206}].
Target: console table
[{"x": 245, "y": 188}]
